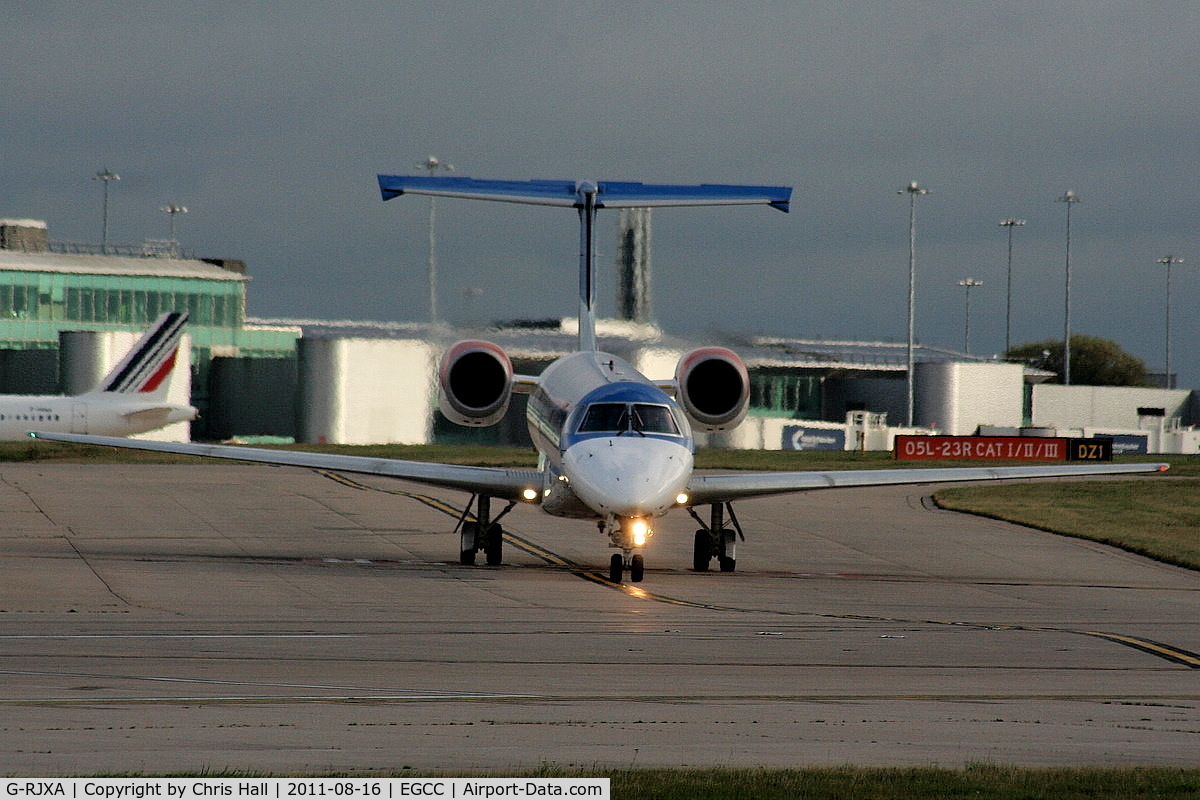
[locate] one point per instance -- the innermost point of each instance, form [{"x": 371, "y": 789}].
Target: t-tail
[
  {"x": 587, "y": 197},
  {"x": 146, "y": 367}
]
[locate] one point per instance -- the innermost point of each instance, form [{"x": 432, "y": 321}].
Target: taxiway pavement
[{"x": 163, "y": 619}]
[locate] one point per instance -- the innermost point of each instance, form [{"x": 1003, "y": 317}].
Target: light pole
[
  {"x": 1070, "y": 199},
  {"x": 968, "y": 284},
  {"x": 1168, "y": 261},
  {"x": 1009, "y": 223},
  {"x": 173, "y": 210},
  {"x": 433, "y": 165},
  {"x": 105, "y": 175},
  {"x": 913, "y": 191}
]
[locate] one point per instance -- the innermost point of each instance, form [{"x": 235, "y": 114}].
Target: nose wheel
[{"x": 616, "y": 568}]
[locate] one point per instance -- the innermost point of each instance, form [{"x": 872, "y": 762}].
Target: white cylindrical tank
[
  {"x": 958, "y": 397},
  {"x": 365, "y": 391}
]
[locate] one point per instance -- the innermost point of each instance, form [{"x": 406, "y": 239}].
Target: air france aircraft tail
[
  {"x": 130, "y": 399},
  {"x": 145, "y": 368}
]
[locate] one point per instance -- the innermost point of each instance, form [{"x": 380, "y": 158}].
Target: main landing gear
[
  {"x": 482, "y": 533},
  {"x": 714, "y": 539}
]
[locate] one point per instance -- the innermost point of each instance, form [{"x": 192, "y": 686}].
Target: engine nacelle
[
  {"x": 475, "y": 383},
  {"x": 714, "y": 388}
]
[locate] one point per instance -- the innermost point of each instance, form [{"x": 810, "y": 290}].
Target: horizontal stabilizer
[{"x": 608, "y": 194}]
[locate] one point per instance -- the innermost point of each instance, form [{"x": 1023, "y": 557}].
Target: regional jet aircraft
[
  {"x": 614, "y": 446},
  {"x": 132, "y": 398}
]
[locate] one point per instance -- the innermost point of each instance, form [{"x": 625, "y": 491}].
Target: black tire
[
  {"x": 701, "y": 552},
  {"x": 466, "y": 553},
  {"x": 494, "y": 546},
  {"x": 727, "y": 564},
  {"x": 637, "y": 569},
  {"x": 616, "y": 568}
]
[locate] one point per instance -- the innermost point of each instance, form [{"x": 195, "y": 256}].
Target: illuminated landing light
[
  {"x": 641, "y": 531},
  {"x": 530, "y": 494},
  {"x": 682, "y": 498}
]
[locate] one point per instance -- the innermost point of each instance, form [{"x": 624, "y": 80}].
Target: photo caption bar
[{"x": 304, "y": 788}]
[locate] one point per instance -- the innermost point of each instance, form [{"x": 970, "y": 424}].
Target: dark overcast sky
[{"x": 269, "y": 121}]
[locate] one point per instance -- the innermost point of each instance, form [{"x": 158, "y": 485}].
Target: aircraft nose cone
[{"x": 627, "y": 475}]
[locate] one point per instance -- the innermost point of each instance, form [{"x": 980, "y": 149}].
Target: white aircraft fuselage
[
  {"x": 115, "y": 416},
  {"x": 612, "y": 443}
]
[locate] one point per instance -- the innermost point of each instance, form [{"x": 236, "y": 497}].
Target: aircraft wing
[
  {"x": 723, "y": 488},
  {"x": 608, "y": 194},
  {"x": 507, "y": 484}
]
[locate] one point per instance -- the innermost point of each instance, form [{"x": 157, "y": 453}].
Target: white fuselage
[
  {"x": 101, "y": 413},
  {"x": 634, "y": 461}
]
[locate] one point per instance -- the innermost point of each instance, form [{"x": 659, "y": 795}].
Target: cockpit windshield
[
  {"x": 605, "y": 417},
  {"x": 619, "y": 418}
]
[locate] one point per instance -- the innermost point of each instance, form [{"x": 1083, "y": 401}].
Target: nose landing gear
[
  {"x": 629, "y": 535},
  {"x": 637, "y": 568}
]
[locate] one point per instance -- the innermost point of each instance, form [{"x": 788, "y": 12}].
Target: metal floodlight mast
[
  {"x": 1009, "y": 223},
  {"x": 968, "y": 284},
  {"x": 106, "y": 175},
  {"x": 1070, "y": 199},
  {"x": 1168, "y": 261},
  {"x": 173, "y": 210},
  {"x": 913, "y": 191}
]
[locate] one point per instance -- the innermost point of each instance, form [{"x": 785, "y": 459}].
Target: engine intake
[
  {"x": 475, "y": 383},
  {"x": 714, "y": 388}
]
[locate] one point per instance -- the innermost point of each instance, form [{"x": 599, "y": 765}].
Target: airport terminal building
[
  {"x": 368, "y": 383},
  {"x": 50, "y": 288}
]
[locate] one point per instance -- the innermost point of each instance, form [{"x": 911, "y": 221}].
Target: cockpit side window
[
  {"x": 602, "y": 417},
  {"x": 653, "y": 419}
]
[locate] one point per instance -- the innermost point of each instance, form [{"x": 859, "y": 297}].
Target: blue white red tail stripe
[{"x": 150, "y": 361}]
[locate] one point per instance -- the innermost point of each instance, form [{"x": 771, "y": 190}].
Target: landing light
[
  {"x": 530, "y": 494},
  {"x": 640, "y": 531},
  {"x": 682, "y": 498}
]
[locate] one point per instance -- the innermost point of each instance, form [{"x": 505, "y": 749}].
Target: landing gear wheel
[
  {"x": 616, "y": 568},
  {"x": 727, "y": 564},
  {"x": 637, "y": 568},
  {"x": 466, "y": 553},
  {"x": 493, "y": 546},
  {"x": 701, "y": 552}
]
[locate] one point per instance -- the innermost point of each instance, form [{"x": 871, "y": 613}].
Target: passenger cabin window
[{"x": 620, "y": 417}]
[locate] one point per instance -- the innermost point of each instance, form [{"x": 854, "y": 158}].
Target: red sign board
[
  {"x": 1002, "y": 448},
  {"x": 983, "y": 448}
]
